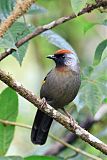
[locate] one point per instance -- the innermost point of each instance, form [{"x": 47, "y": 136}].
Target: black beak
[{"x": 51, "y": 57}]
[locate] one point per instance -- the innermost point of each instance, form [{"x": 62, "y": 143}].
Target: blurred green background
[{"x": 35, "y": 66}]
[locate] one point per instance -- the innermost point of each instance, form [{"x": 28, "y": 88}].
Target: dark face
[{"x": 59, "y": 59}]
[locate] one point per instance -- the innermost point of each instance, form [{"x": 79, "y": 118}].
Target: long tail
[{"x": 40, "y": 129}]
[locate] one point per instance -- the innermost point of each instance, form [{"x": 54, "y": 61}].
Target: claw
[{"x": 72, "y": 121}]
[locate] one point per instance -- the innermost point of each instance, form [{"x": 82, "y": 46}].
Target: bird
[{"x": 59, "y": 88}]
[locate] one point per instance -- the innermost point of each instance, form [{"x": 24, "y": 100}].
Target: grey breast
[{"x": 60, "y": 88}]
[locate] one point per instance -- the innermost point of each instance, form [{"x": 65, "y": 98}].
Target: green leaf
[
  {"x": 42, "y": 158},
  {"x": 87, "y": 71},
  {"x": 34, "y": 9},
  {"x": 12, "y": 158},
  {"x": 57, "y": 40},
  {"x": 6, "y": 6},
  {"x": 105, "y": 100},
  {"x": 103, "y": 87},
  {"x": 99, "y": 51},
  {"x": 78, "y": 5},
  {"x": 90, "y": 96},
  {"x": 105, "y": 22},
  {"x": 8, "y": 111},
  {"x": 93, "y": 87},
  {"x": 91, "y": 1},
  {"x": 6, "y": 43},
  {"x": 104, "y": 55},
  {"x": 88, "y": 26},
  {"x": 17, "y": 31},
  {"x": 93, "y": 97}
]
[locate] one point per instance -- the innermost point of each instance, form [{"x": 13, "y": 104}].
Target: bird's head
[{"x": 65, "y": 58}]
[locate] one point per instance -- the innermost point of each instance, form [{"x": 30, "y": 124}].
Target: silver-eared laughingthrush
[{"x": 60, "y": 87}]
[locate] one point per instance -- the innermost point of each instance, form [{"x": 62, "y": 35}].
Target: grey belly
[{"x": 59, "y": 91}]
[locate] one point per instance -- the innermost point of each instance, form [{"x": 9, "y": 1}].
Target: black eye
[
  {"x": 60, "y": 56},
  {"x": 63, "y": 56}
]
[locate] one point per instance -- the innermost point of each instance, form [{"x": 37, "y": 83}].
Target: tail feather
[{"x": 40, "y": 128}]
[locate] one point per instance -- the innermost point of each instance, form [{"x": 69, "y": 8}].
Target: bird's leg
[
  {"x": 72, "y": 121},
  {"x": 43, "y": 102}
]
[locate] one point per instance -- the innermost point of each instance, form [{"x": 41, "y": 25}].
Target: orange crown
[{"x": 63, "y": 51}]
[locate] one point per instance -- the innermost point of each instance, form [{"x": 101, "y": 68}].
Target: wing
[{"x": 44, "y": 87}]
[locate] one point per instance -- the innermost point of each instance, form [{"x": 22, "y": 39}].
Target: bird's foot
[
  {"x": 72, "y": 121},
  {"x": 43, "y": 102}
]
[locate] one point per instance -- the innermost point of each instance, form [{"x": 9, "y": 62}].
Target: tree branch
[
  {"x": 19, "y": 10},
  {"x": 51, "y": 25},
  {"x": 65, "y": 121},
  {"x": 57, "y": 147},
  {"x": 77, "y": 150}
]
